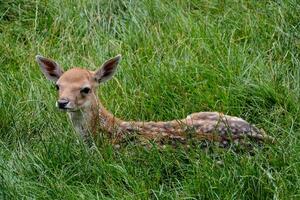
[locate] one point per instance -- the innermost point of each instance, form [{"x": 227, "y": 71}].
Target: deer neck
[{"x": 94, "y": 118}]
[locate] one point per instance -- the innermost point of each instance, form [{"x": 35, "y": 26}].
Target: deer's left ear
[
  {"x": 49, "y": 67},
  {"x": 108, "y": 69}
]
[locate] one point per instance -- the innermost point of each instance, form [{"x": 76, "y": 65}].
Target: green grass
[{"x": 179, "y": 57}]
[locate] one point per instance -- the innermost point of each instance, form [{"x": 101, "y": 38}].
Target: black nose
[{"x": 62, "y": 103}]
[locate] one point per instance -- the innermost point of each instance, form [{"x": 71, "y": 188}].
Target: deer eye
[
  {"x": 57, "y": 87},
  {"x": 85, "y": 90}
]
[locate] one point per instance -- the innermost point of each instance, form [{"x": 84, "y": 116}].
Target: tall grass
[{"x": 179, "y": 57}]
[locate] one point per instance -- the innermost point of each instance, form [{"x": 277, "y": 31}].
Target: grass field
[{"x": 237, "y": 57}]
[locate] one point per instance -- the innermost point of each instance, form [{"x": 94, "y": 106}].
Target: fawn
[{"x": 77, "y": 91}]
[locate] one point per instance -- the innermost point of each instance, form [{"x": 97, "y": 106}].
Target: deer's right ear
[
  {"x": 108, "y": 69},
  {"x": 50, "y": 68}
]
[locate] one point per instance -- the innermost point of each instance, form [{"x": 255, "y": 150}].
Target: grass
[{"x": 179, "y": 57}]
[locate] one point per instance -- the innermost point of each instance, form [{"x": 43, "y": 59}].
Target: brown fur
[{"x": 89, "y": 116}]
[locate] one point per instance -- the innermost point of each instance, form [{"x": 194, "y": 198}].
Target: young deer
[{"x": 77, "y": 89}]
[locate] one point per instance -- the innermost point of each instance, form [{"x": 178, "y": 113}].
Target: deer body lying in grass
[{"x": 77, "y": 89}]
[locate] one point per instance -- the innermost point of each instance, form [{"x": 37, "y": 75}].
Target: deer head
[{"x": 76, "y": 87}]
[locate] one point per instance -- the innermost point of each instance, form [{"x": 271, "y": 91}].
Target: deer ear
[
  {"x": 108, "y": 69},
  {"x": 49, "y": 68}
]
